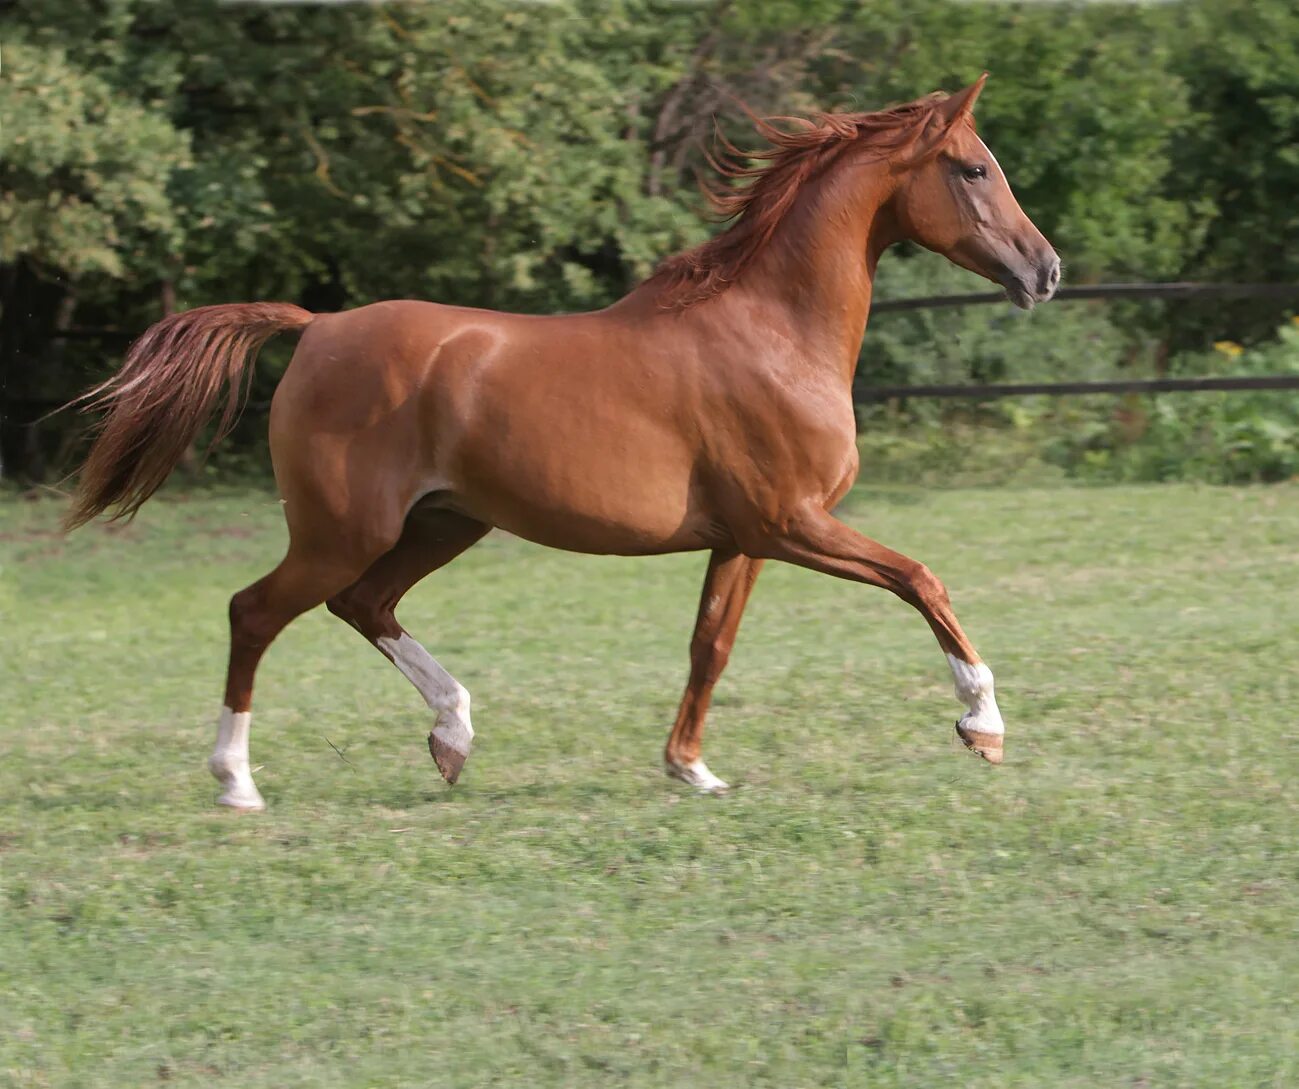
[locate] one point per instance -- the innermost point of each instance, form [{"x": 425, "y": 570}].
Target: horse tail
[{"x": 160, "y": 399}]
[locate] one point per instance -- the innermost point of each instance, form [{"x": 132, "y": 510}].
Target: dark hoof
[{"x": 448, "y": 760}]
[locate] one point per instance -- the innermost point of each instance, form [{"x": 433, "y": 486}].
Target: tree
[{"x": 541, "y": 157}]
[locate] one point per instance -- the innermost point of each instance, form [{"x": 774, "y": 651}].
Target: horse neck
[{"x": 813, "y": 279}]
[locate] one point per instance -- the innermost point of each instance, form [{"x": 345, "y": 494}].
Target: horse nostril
[{"x": 1049, "y": 277}]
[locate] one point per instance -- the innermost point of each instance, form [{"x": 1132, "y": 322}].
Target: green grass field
[{"x": 1116, "y": 906}]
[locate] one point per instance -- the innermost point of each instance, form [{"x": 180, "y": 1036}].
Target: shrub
[{"x": 1222, "y": 438}]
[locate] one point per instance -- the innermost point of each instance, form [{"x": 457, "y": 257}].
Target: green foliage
[
  {"x": 86, "y": 170},
  {"x": 1217, "y": 438},
  {"x": 1240, "y": 61},
  {"x": 541, "y": 157},
  {"x": 1084, "y": 110},
  {"x": 980, "y": 343},
  {"x": 1221, "y": 438}
]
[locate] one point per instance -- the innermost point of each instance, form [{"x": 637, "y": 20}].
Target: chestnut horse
[{"x": 710, "y": 408}]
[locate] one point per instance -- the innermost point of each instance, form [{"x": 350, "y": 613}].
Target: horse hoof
[
  {"x": 989, "y": 746},
  {"x": 448, "y": 759},
  {"x": 242, "y": 801},
  {"x": 697, "y": 775},
  {"x": 238, "y": 789}
]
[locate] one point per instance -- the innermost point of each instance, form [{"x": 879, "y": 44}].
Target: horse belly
[{"x": 581, "y": 485}]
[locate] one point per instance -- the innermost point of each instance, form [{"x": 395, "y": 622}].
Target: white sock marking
[
  {"x": 698, "y": 776},
  {"x": 974, "y": 689},
  {"x": 229, "y": 761},
  {"x": 441, "y": 691}
]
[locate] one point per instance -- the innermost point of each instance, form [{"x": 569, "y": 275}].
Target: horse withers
[{"x": 709, "y": 409}]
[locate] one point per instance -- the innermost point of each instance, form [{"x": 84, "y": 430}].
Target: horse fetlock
[
  {"x": 236, "y": 777},
  {"x": 229, "y": 762},
  {"x": 981, "y": 728},
  {"x": 696, "y": 774}
]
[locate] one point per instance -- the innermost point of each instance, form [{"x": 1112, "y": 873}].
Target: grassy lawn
[{"x": 1116, "y": 906}]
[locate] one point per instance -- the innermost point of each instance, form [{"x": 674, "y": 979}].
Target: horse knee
[
  {"x": 927, "y": 586},
  {"x": 708, "y": 657}
]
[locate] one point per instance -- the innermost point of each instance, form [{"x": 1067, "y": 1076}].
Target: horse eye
[{"x": 974, "y": 173}]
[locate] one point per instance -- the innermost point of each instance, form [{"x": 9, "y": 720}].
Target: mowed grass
[{"x": 1116, "y": 906}]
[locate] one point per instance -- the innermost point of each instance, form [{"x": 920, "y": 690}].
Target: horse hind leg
[
  {"x": 321, "y": 560},
  {"x": 429, "y": 541},
  {"x": 258, "y": 614}
]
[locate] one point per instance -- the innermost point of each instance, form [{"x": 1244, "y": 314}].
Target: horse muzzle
[{"x": 1034, "y": 283}]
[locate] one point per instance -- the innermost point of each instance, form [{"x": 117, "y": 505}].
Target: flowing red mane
[{"x": 793, "y": 157}]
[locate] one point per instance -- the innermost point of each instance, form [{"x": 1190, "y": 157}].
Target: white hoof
[
  {"x": 697, "y": 775},
  {"x": 240, "y": 792},
  {"x": 244, "y": 797}
]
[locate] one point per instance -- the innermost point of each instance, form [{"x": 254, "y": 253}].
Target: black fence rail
[
  {"x": 1058, "y": 389},
  {"x": 21, "y": 417},
  {"x": 1101, "y": 291},
  {"x": 1109, "y": 292}
]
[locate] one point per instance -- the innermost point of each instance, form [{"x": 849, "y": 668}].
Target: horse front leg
[
  {"x": 817, "y": 540},
  {"x": 726, "y": 590}
]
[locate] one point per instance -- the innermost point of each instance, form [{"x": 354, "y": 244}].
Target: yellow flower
[{"x": 1228, "y": 348}]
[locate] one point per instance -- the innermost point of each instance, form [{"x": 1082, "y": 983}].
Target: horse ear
[{"x": 962, "y": 102}]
